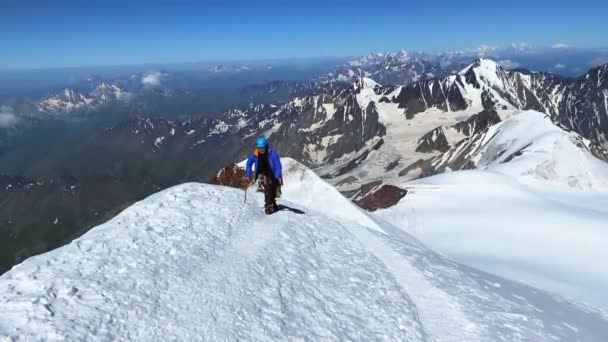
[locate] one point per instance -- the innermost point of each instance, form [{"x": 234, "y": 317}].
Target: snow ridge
[{"x": 194, "y": 262}]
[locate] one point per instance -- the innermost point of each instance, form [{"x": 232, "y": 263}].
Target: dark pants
[{"x": 270, "y": 189}]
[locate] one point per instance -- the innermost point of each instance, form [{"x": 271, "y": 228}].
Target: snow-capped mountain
[
  {"x": 368, "y": 132},
  {"x": 577, "y": 104},
  {"x": 529, "y": 192},
  {"x": 407, "y": 124},
  {"x": 65, "y": 101},
  {"x": 211, "y": 267},
  {"x": 106, "y": 92},
  {"x": 72, "y": 100},
  {"x": 391, "y": 68},
  {"x": 568, "y": 157}
]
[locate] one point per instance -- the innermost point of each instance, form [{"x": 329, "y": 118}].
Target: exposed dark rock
[
  {"x": 442, "y": 94},
  {"x": 514, "y": 154},
  {"x": 348, "y": 130},
  {"x": 231, "y": 175},
  {"x": 384, "y": 197},
  {"x": 378, "y": 145},
  {"x": 434, "y": 140},
  {"x": 599, "y": 152},
  {"x": 369, "y": 187},
  {"x": 478, "y": 122},
  {"x": 392, "y": 165}
]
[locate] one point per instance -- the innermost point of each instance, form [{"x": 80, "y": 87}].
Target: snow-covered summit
[
  {"x": 487, "y": 65},
  {"x": 528, "y": 146},
  {"x": 194, "y": 262},
  {"x": 70, "y": 100},
  {"x": 108, "y": 92},
  {"x": 67, "y": 100},
  {"x": 400, "y": 68}
]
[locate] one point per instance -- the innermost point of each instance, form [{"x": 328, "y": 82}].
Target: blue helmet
[{"x": 261, "y": 142}]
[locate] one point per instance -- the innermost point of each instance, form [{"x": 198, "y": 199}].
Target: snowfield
[
  {"x": 535, "y": 211},
  {"x": 194, "y": 262}
]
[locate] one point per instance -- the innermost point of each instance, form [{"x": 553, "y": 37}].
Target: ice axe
[{"x": 247, "y": 188}]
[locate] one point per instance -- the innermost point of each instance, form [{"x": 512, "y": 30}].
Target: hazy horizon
[{"x": 69, "y": 33}]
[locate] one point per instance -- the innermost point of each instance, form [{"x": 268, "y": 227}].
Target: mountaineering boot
[{"x": 269, "y": 209}]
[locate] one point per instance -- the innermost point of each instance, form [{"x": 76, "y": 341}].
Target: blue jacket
[{"x": 273, "y": 159}]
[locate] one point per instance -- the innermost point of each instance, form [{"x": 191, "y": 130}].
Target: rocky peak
[
  {"x": 596, "y": 77},
  {"x": 478, "y": 122},
  {"x": 485, "y": 71},
  {"x": 70, "y": 95}
]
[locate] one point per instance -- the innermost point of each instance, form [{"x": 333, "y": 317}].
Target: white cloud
[
  {"x": 152, "y": 79},
  {"x": 485, "y": 50},
  {"x": 522, "y": 46},
  {"x": 509, "y": 64},
  {"x": 560, "y": 45},
  {"x": 559, "y": 66},
  {"x": 445, "y": 62},
  {"x": 599, "y": 61},
  {"x": 8, "y": 117}
]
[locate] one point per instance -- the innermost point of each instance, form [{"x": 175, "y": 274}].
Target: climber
[{"x": 268, "y": 166}]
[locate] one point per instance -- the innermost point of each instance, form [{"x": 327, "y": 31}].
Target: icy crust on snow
[{"x": 194, "y": 262}]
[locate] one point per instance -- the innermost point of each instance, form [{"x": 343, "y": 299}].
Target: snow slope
[
  {"x": 194, "y": 262},
  {"x": 540, "y": 150},
  {"x": 536, "y": 210}
]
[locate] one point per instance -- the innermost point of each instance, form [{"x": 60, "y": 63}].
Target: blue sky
[{"x": 61, "y": 33}]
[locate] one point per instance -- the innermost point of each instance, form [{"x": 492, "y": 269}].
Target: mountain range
[
  {"x": 320, "y": 268},
  {"x": 367, "y": 132},
  {"x": 500, "y": 170},
  {"x": 72, "y": 100},
  {"x": 364, "y": 138},
  {"x": 401, "y": 68}
]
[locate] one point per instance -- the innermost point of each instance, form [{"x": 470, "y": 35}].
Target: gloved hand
[{"x": 247, "y": 179}]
